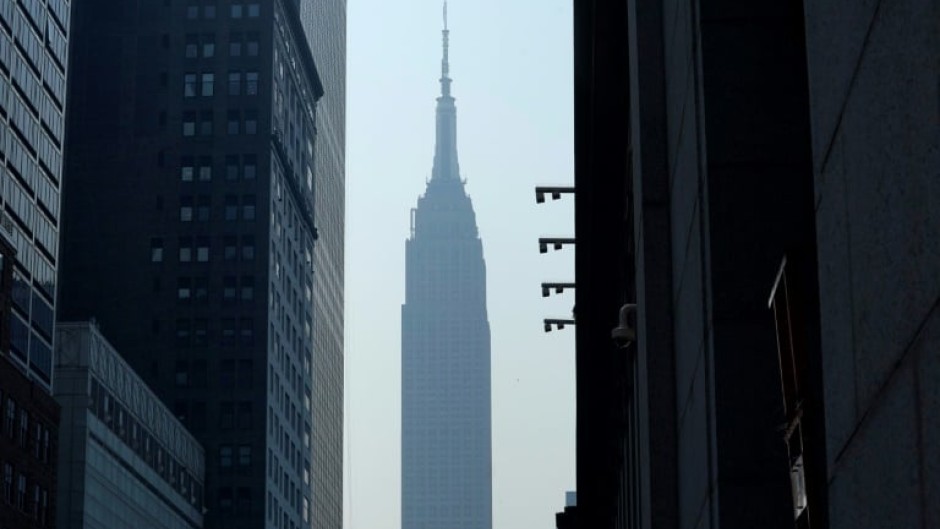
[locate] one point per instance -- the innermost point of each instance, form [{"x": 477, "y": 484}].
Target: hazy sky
[{"x": 511, "y": 61}]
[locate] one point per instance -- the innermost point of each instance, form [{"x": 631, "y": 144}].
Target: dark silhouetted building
[
  {"x": 189, "y": 231},
  {"x": 34, "y": 52},
  {"x": 124, "y": 459},
  {"x": 445, "y": 350},
  {"x": 325, "y": 23},
  {"x": 761, "y": 181}
]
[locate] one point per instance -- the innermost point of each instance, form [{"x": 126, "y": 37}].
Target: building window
[
  {"x": 244, "y": 415},
  {"x": 235, "y": 45},
  {"x": 227, "y": 415},
  {"x": 184, "y": 290},
  {"x": 251, "y": 122},
  {"x": 205, "y": 168},
  {"x": 248, "y": 207},
  {"x": 234, "y": 83},
  {"x": 248, "y": 288},
  {"x": 250, "y": 166},
  {"x": 231, "y": 207},
  {"x": 208, "y": 10},
  {"x": 251, "y": 83},
  {"x": 186, "y": 249},
  {"x": 23, "y": 435},
  {"x": 254, "y": 10},
  {"x": 225, "y": 499},
  {"x": 8, "y": 482},
  {"x": 205, "y": 125},
  {"x": 244, "y": 456},
  {"x": 228, "y": 288},
  {"x": 233, "y": 122},
  {"x": 201, "y": 290},
  {"x": 208, "y": 84},
  {"x": 251, "y": 46},
  {"x": 192, "y": 11},
  {"x": 225, "y": 456},
  {"x": 228, "y": 332},
  {"x": 156, "y": 250},
  {"x": 192, "y": 47},
  {"x": 37, "y": 440},
  {"x": 189, "y": 123},
  {"x": 189, "y": 85},
  {"x": 187, "y": 169},
  {"x": 230, "y": 250},
  {"x": 248, "y": 248},
  {"x": 43, "y": 507},
  {"x": 244, "y": 501},
  {"x": 202, "y": 249},
  {"x": 202, "y": 208},
  {"x": 200, "y": 332},
  {"x": 231, "y": 167},
  {"x": 181, "y": 375},
  {"x": 21, "y": 492},
  {"x": 236, "y": 10},
  {"x": 186, "y": 209},
  {"x": 208, "y": 46}
]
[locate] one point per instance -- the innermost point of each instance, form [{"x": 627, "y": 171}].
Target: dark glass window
[
  {"x": 201, "y": 290},
  {"x": 189, "y": 85},
  {"x": 252, "y": 45},
  {"x": 202, "y": 249},
  {"x": 250, "y": 166},
  {"x": 208, "y": 84},
  {"x": 254, "y": 10},
  {"x": 234, "y": 83},
  {"x": 187, "y": 169},
  {"x": 205, "y": 168},
  {"x": 236, "y": 10},
  {"x": 227, "y": 415},
  {"x": 235, "y": 45},
  {"x": 251, "y": 83},
  {"x": 202, "y": 208},
  {"x": 251, "y": 122},
  {"x": 248, "y": 207},
  {"x": 228, "y": 332},
  {"x": 205, "y": 123},
  {"x": 230, "y": 247},
  {"x": 186, "y": 209},
  {"x": 248, "y": 247},
  {"x": 186, "y": 249},
  {"x": 192, "y": 46},
  {"x": 231, "y": 207},
  {"x": 225, "y": 456},
  {"x": 208, "y": 45},
  {"x": 189, "y": 123},
  {"x": 184, "y": 291},
  {"x": 156, "y": 250},
  {"x": 231, "y": 167},
  {"x": 234, "y": 125}
]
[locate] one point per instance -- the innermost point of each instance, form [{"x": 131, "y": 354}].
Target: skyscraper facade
[
  {"x": 190, "y": 228},
  {"x": 325, "y": 24},
  {"x": 446, "y": 442},
  {"x": 34, "y": 39}
]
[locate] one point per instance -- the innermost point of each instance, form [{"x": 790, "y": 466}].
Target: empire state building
[{"x": 445, "y": 349}]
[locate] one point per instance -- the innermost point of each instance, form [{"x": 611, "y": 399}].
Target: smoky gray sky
[{"x": 511, "y": 61}]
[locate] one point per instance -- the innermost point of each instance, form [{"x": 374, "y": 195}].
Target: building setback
[
  {"x": 445, "y": 349},
  {"x": 189, "y": 229},
  {"x": 325, "y": 25},
  {"x": 761, "y": 181},
  {"x": 34, "y": 52},
  {"x": 124, "y": 460}
]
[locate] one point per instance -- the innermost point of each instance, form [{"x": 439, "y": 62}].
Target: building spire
[
  {"x": 445, "y": 152},
  {"x": 445, "y": 62}
]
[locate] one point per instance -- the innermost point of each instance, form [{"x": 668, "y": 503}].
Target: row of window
[
  {"x": 30, "y": 433},
  {"x": 108, "y": 410},
  {"x": 198, "y": 208},
  {"x": 16, "y": 493},
  {"x": 237, "y": 122},
  {"x": 201, "y": 168},
  {"x": 196, "y": 46},
  {"x": 196, "y": 289},
  {"x": 196, "y": 333},
  {"x": 198, "y": 249},
  {"x": 203, "y": 84},
  {"x": 207, "y": 10},
  {"x": 231, "y": 373}
]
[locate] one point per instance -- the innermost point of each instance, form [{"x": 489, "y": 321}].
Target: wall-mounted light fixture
[
  {"x": 555, "y": 242},
  {"x": 554, "y": 191},
  {"x": 557, "y": 323},
  {"x": 557, "y": 287}
]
